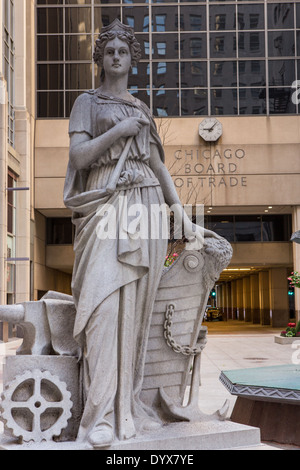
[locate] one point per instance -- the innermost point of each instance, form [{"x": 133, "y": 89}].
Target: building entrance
[{"x": 260, "y": 296}]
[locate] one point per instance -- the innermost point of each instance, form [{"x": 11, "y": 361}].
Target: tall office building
[{"x": 235, "y": 61}]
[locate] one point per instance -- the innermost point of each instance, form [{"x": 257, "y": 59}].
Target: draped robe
[{"x": 115, "y": 278}]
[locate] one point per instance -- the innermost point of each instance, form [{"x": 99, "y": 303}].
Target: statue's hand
[
  {"x": 196, "y": 235},
  {"x": 131, "y": 126},
  {"x": 211, "y": 234}
]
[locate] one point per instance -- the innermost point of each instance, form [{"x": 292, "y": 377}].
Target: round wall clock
[{"x": 210, "y": 129}]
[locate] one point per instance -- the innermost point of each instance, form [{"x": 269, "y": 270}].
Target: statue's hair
[{"x": 126, "y": 36}]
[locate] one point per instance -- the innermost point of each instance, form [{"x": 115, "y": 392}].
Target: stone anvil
[{"x": 47, "y": 324}]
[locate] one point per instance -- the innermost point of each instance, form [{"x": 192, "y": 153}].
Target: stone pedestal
[{"x": 209, "y": 435}]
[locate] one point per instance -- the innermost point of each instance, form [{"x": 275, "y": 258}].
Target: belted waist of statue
[{"x": 134, "y": 178}]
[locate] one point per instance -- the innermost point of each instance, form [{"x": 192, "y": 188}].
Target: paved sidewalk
[
  {"x": 237, "y": 345},
  {"x": 231, "y": 345}
]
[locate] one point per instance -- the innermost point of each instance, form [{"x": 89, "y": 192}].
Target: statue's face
[{"x": 117, "y": 58}]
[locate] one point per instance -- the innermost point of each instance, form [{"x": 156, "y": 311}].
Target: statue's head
[{"x": 116, "y": 30}]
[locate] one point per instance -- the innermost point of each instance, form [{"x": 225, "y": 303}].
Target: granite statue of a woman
[{"x": 115, "y": 278}]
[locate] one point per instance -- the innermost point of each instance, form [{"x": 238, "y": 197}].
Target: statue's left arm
[{"x": 171, "y": 197}]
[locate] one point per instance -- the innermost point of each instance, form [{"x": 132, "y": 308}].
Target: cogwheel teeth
[{"x": 36, "y": 406}]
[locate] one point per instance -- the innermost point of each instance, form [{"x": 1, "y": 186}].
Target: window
[
  {"x": 219, "y": 44},
  {"x": 276, "y": 228},
  {"x": 146, "y": 24},
  {"x": 242, "y": 45},
  {"x": 223, "y": 226},
  {"x": 195, "y": 47},
  {"x": 161, "y": 48},
  {"x": 254, "y": 42},
  {"x": 11, "y": 236},
  {"x": 160, "y": 22},
  {"x": 59, "y": 231},
  {"x": 251, "y": 228},
  {"x": 220, "y": 21},
  {"x": 254, "y": 20},
  {"x": 248, "y": 228},
  {"x": 195, "y": 22},
  {"x": 11, "y": 203}
]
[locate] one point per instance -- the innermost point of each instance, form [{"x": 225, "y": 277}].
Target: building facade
[
  {"x": 17, "y": 118},
  {"x": 236, "y": 61}
]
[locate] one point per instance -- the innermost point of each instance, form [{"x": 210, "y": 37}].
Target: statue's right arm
[{"x": 85, "y": 150}]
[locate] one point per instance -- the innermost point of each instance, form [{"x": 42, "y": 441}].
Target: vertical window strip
[
  {"x": 8, "y": 65},
  {"x": 267, "y": 58}
]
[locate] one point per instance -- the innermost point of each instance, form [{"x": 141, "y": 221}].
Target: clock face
[{"x": 210, "y": 129}]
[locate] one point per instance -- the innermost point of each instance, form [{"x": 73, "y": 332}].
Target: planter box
[{"x": 286, "y": 340}]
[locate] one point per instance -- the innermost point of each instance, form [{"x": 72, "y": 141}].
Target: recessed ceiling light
[{"x": 237, "y": 269}]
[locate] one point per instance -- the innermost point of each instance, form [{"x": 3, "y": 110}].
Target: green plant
[
  {"x": 292, "y": 330},
  {"x": 170, "y": 259},
  {"x": 294, "y": 279}
]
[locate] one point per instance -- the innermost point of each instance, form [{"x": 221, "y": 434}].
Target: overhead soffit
[{"x": 247, "y": 210}]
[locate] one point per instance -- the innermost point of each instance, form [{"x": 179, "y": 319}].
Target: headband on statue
[{"x": 116, "y": 26}]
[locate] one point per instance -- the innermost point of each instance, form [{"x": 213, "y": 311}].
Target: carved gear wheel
[{"x": 36, "y": 406}]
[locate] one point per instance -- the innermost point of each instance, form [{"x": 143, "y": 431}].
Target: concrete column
[
  {"x": 233, "y": 300},
  {"x": 220, "y": 296},
  {"x": 264, "y": 298},
  {"x": 254, "y": 298},
  {"x": 23, "y": 212},
  {"x": 222, "y": 300},
  {"x": 247, "y": 299},
  {"x": 296, "y": 258},
  {"x": 23, "y": 149},
  {"x": 239, "y": 299},
  {"x": 279, "y": 305},
  {"x": 227, "y": 308}
]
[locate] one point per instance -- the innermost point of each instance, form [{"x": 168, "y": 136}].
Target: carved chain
[{"x": 178, "y": 348}]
